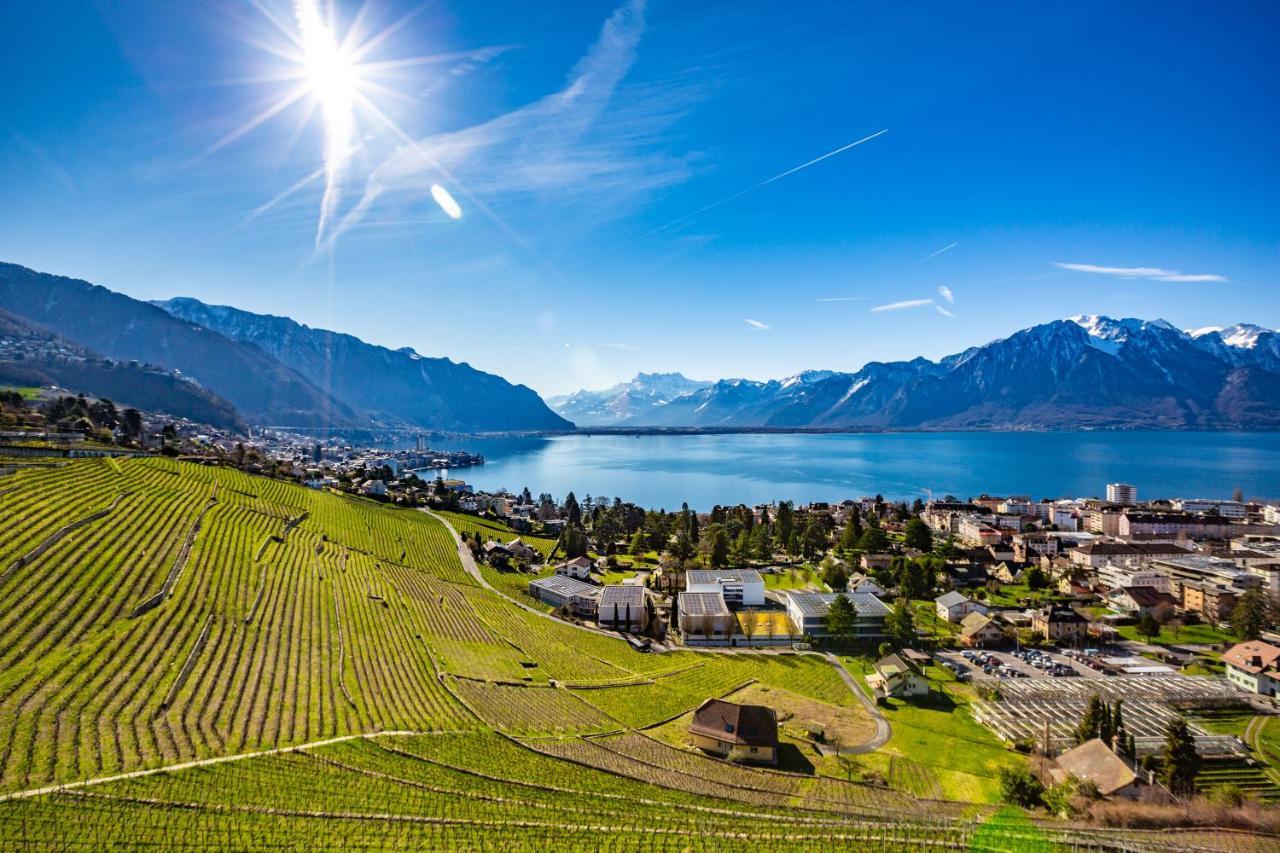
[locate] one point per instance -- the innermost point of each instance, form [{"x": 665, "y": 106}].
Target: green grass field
[
  {"x": 373, "y": 695},
  {"x": 1195, "y": 635}
]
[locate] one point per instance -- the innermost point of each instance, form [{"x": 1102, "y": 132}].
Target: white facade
[
  {"x": 1120, "y": 576},
  {"x": 1122, "y": 493},
  {"x": 743, "y": 588},
  {"x": 1226, "y": 509}
]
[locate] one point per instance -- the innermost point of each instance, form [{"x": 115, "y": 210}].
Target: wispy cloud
[
  {"x": 768, "y": 181},
  {"x": 902, "y": 306},
  {"x": 844, "y": 299},
  {"x": 945, "y": 293},
  {"x": 756, "y": 325},
  {"x": 615, "y": 345},
  {"x": 943, "y": 311},
  {"x": 1151, "y": 273},
  {"x": 947, "y": 248},
  {"x": 573, "y": 145}
]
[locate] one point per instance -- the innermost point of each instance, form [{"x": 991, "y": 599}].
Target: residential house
[
  {"x": 622, "y": 608},
  {"x": 1213, "y": 602},
  {"x": 1255, "y": 666},
  {"x": 1057, "y": 623},
  {"x": 977, "y": 630},
  {"x": 1027, "y": 547},
  {"x": 493, "y": 549},
  {"x": 876, "y": 562},
  {"x": 579, "y": 568},
  {"x": 954, "y": 606},
  {"x": 864, "y": 585},
  {"x": 730, "y": 730},
  {"x": 1139, "y": 601},
  {"x": 1094, "y": 761},
  {"x": 522, "y": 551},
  {"x": 581, "y": 599},
  {"x": 897, "y": 677}
]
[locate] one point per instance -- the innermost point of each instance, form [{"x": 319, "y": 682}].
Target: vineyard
[{"x": 324, "y": 668}]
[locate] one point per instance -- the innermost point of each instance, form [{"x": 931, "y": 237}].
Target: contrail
[
  {"x": 939, "y": 252},
  {"x": 768, "y": 181}
]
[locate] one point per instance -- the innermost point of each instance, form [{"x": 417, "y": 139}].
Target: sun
[{"x": 336, "y": 76}]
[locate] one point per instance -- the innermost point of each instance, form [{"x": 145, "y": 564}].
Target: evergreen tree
[
  {"x": 1180, "y": 761},
  {"x": 841, "y": 618},
  {"x": 1148, "y": 626},
  {"x": 1105, "y": 730},
  {"x": 1092, "y": 721},
  {"x": 572, "y": 512},
  {"x": 741, "y": 552},
  {"x": 786, "y": 522},
  {"x": 873, "y": 540},
  {"x": 835, "y": 577},
  {"x": 918, "y": 536},
  {"x": 1251, "y": 615},
  {"x": 901, "y": 624},
  {"x": 715, "y": 546}
]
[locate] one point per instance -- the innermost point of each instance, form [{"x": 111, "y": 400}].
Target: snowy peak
[
  {"x": 807, "y": 377},
  {"x": 1242, "y": 335},
  {"x": 1109, "y": 335}
]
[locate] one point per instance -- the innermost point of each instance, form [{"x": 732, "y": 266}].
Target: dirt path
[
  {"x": 204, "y": 762},
  {"x": 883, "y": 731}
]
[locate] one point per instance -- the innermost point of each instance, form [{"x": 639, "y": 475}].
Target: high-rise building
[{"x": 1122, "y": 493}]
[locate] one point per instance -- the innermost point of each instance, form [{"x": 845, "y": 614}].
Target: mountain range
[
  {"x": 1087, "y": 371},
  {"x": 273, "y": 370}
]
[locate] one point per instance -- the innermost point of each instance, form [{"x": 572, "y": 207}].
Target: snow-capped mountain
[
  {"x": 625, "y": 401},
  {"x": 1085, "y": 371}
]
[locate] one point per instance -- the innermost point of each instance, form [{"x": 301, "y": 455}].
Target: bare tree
[{"x": 749, "y": 623}]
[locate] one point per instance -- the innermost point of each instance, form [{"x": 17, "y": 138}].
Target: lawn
[
  {"x": 792, "y": 579},
  {"x": 1196, "y": 635},
  {"x": 1012, "y": 594},
  {"x": 939, "y": 738},
  {"x": 26, "y": 393},
  {"x": 617, "y": 576}
]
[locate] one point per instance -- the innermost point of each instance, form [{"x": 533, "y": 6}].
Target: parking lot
[{"x": 1026, "y": 663}]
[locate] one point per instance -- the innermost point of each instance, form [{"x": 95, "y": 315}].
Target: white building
[
  {"x": 954, "y": 606},
  {"x": 579, "y": 568},
  {"x": 740, "y": 587},
  {"x": 1119, "y": 576},
  {"x": 1255, "y": 666},
  {"x": 1122, "y": 493},
  {"x": 581, "y": 599},
  {"x": 1226, "y": 509},
  {"x": 808, "y": 613}
]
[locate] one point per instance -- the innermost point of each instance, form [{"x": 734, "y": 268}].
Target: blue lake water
[{"x": 664, "y": 470}]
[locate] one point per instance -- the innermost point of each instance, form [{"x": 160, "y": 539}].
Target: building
[
  {"x": 1213, "y": 602},
  {"x": 1122, "y": 493},
  {"x": 954, "y": 606},
  {"x": 808, "y": 613},
  {"x": 1097, "y": 554},
  {"x": 977, "y": 630},
  {"x": 860, "y": 583},
  {"x": 522, "y": 551},
  {"x": 1028, "y": 547},
  {"x": 1173, "y": 525},
  {"x": 740, "y": 587},
  {"x": 897, "y": 677},
  {"x": 1139, "y": 600},
  {"x": 1226, "y": 509},
  {"x": 578, "y": 568},
  {"x": 1198, "y": 569},
  {"x": 622, "y": 608},
  {"x": 1093, "y": 761},
  {"x": 1059, "y": 624},
  {"x": 1255, "y": 666},
  {"x": 704, "y": 618},
  {"x": 1114, "y": 576},
  {"x": 580, "y": 599},
  {"x": 976, "y": 530},
  {"x": 730, "y": 730}
]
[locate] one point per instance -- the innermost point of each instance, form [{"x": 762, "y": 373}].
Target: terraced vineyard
[{"x": 167, "y": 615}]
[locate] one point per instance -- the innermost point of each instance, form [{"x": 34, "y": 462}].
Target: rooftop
[
  {"x": 951, "y": 599},
  {"x": 749, "y": 725},
  {"x": 562, "y": 585},
  {"x": 622, "y": 596},
  {"x": 701, "y": 576},
  {"x": 816, "y": 604},
  {"x": 703, "y": 604},
  {"x": 1093, "y": 760}
]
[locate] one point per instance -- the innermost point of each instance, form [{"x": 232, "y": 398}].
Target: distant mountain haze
[
  {"x": 117, "y": 326},
  {"x": 1087, "y": 371},
  {"x": 393, "y": 387}
]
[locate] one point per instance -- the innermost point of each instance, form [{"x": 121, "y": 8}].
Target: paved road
[{"x": 883, "y": 732}]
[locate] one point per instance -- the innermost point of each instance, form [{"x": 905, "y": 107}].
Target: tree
[
  {"x": 1092, "y": 721},
  {"x": 749, "y": 622},
  {"x": 639, "y": 544},
  {"x": 1148, "y": 626},
  {"x": 1020, "y": 787},
  {"x": 1180, "y": 761},
  {"x": 873, "y": 539},
  {"x": 841, "y": 618},
  {"x": 786, "y": 522},
  {"x": 574, "y": 542},
  {"x": 835, "y": 577},
  {"x": 1037, "y": 579},
  {"x": 918, "y": 535},
  {"x": 572, "y": 512},
  {"x": 815, "y": 539},
  {"x": 741, "y": 551},
  {"x": 901, "y": 624},
  {"x": 715, "y": 546},
  {"x": 1251, "y": 615},
  {"x": 131, "y": 424}
]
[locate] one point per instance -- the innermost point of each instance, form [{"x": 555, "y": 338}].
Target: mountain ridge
[{"x": 1085, "y": 371}]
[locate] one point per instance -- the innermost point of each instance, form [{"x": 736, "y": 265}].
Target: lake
[{"x": 664, "y": 470}]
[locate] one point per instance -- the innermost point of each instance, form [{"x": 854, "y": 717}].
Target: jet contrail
[
  {"x": 768, "y": 181},
  {"x": 939, "y": 252}
]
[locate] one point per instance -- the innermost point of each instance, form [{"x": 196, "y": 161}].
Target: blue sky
[{"x": 608, "y": 158}]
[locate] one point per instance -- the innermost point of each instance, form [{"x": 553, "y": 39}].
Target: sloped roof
[
  {"x": 1254, "y": 656},
  {"x": 1093, "y": 760},
  {"x": 951, "y": 599},
  {"x": 973, "y": 623},
  {"x": 747, "y": 725}
]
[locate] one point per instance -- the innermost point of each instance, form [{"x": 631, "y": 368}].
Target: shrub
[{"x": 1020, "y": 787}]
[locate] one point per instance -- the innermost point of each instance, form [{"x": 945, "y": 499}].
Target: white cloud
[
  {"x": 945, "y": 293},
  {"x": 844, "y": 298},
  {"x": 614, "y": 345},
  {"x": 574, "y": 145},
  {"x": 1150, "y": 273},
  {"x": 943, "y": 311},
  {"x": 902, "y": 306},
  {"x": 756, "y": 325}
]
